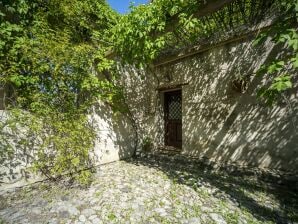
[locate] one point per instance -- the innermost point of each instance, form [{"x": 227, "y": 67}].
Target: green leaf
[
  {"x": 281, "y": 83},
  {"x": 294, "y": 61},
  {"x": 275, "y": 67},
  {"x": 260, "y": 39},
  {"x": 75, "y": 161},
  {"x": 17, "y": 80}
]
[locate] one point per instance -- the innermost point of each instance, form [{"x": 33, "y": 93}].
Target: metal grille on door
[{"x": 175, "y": 109}]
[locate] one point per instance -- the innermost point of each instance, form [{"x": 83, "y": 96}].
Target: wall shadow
[
  {"x": 17, "y": 151},
  {"x": 228, "y": 125},
  {"x": 115, "y": 140},
  {"x": 241, "y": 188},
  {"x": 144, "y": 100}
]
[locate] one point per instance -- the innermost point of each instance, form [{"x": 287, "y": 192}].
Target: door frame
[{"x": 164, "y": 92}]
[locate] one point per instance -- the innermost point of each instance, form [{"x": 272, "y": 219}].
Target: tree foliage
[
  {"x": 140, "y": 35},
  {"x": 50, "y": 52},
  {"x": 53, "y": 53},
  {"x": 283, "y": 33}
]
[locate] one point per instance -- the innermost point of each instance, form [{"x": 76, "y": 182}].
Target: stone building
[
  {"x": 205, "y": 105},
  {"x": 201, "y": 101}
]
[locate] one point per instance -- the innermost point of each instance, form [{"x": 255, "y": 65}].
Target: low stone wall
[{"x": 115, "y": 140}]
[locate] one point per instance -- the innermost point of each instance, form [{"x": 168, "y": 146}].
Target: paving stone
[
  {"x": 161, "y": 211},
  {"x": 193, "y": 221},
  {"x": 41, "y": 203},
  {"x": 96, "y": 221},
  {"x": 63, "y": 214},
  {"x": 93, "y": 217},
  {"x": 217, "y": 218},
  {"x": 88, "y": 212},
  {"x": 53, "y": 221},
  {"x": 36, "y": 211},
  {"x": 73, "y": 211},
  {"x": 82, "y": 218},
  {"x": 65, "y": 198},
  {"x": 146, "y": 191}
]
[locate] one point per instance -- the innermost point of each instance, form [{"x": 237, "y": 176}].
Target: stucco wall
[
  {"x": 115, "y": 140},
  {"x": 115, "y": 135},
  {"x": 219, "y": 122}
]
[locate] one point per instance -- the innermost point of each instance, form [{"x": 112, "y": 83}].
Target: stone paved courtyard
[{"x": 154, "y": 190}]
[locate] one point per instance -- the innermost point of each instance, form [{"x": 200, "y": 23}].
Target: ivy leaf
[
  {"x": 275, "y": 67},
  {"x": 17, "y": 80},
  {"x": 262, "y": 70},
  {"x": 75, "y": 161},
  {"x": 281, "y": 83},
  {"x": 295, "y": 61},
  {"x": 260, "y": 39}
]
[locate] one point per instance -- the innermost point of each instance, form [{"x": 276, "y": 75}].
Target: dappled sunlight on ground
[{"x": 154, "y": 189}]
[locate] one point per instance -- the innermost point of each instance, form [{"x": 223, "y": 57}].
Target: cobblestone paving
[{"x": 151, "y": 190}]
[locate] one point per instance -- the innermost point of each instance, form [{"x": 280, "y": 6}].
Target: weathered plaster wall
[
  {"x": 220, "y": 123},
  {"x": 115, "y": 135},
  {"x": 144, "y": 102},
  {"x": 115, "y": 140}
]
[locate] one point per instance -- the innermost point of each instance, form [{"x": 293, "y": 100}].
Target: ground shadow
[{"x": 238, "y": 186}]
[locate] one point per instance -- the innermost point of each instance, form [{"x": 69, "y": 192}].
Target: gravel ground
[{"x": 153, "y": 190}]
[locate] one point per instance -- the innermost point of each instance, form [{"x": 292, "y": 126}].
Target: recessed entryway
[{"x": 173, "y": 118}]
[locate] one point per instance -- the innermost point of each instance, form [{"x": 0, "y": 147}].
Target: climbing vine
[
  {"x": 140, "y": 35},
  {"x": 54, "y": 66},
  {"x": 278, "y": 71},
  {"x": 50, "y": 53}
]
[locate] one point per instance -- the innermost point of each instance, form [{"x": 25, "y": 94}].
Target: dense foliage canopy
[{"x": 53, "y": 52}]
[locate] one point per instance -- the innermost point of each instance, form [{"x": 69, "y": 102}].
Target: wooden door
[{"x": 173, "y": 119}]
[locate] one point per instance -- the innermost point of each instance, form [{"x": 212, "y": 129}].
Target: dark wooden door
[{"x": 173, "y": 119}]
